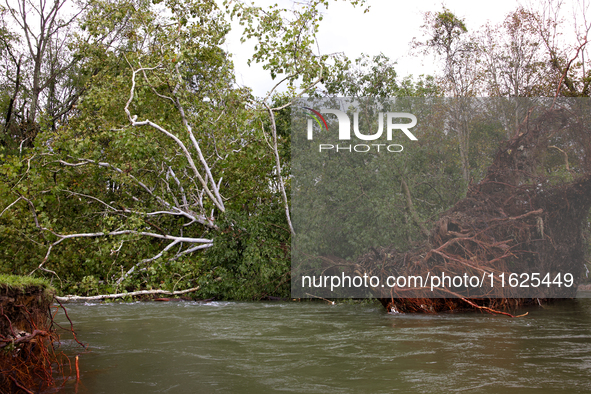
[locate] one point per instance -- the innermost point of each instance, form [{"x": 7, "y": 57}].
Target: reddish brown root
[
  {"x": 521, "y": 218},
  {"x": 29, "y": 359}
]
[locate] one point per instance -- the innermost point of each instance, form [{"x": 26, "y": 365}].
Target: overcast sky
[{"x": 388, "y": 27}]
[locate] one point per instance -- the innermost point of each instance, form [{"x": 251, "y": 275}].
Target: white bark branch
[
  {"x": 201, "y": 219},
  {"x": 278, "y": 165},
  {"x": 193, "y": 249},
  {"x": 220, "y": 202},
  {"x": 133, "y": 119},
  {"x": 130, "y": 271},
  {"x": 206, "y": 242},
  {"x": 8, "y": 207},
  {"x": 121, "y": 295}
]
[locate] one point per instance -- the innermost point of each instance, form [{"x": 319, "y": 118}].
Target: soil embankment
[{"x": 26, "y": 335}]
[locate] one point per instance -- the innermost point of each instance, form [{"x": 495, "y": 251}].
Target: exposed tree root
[
  {"x": 29, "y": 361},
  {"x": 525, "y": 216}
]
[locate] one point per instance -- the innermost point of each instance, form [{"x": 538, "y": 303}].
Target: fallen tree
[
  {"x": 122, "y": 295},
  {"x": 524, "y": 217}
]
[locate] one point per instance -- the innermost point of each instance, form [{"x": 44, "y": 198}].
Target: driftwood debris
[
  {"x": 123, "y": 295},
  {"x": 525, "y": 216}
]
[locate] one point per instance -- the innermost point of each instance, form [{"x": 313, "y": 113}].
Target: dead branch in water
[{"x": 121, "y": 295}]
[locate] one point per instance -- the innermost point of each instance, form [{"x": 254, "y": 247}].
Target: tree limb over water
[{"x": 122, "y": 295}]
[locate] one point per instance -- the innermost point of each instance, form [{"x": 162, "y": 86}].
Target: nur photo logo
[{"x": 393, "y": 125}]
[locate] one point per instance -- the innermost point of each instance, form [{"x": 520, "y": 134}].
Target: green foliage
[
  {"x": 376, "y": 77},
  {"x": 345, "y": 204},
  {"x": 96, "y": 174},
  {"x": 446, "y": 28},
  {"x": 96, "y": 169},
  {"x": 286, "y": 39},
  {"x": 251, "y": 257}
]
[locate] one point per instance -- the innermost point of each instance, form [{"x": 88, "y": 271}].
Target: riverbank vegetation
[{"x": 131, "y": 159}]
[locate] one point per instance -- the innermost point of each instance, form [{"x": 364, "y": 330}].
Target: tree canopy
[{"x": 131, "y": 158}]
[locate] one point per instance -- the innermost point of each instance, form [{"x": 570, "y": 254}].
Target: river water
[{"x": 312, "y": 347}]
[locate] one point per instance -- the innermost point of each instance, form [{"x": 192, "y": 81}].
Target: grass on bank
[{"x": 25, "y": 283}]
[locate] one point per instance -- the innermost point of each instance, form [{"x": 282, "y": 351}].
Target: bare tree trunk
[
  {"x": 278, "y": 165},
  {"x": 411, "y": 209},
  {"x": 38, "y": 35},
  {"x": 464, "y": 139},
  {"x": 14, "y": 95}
]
